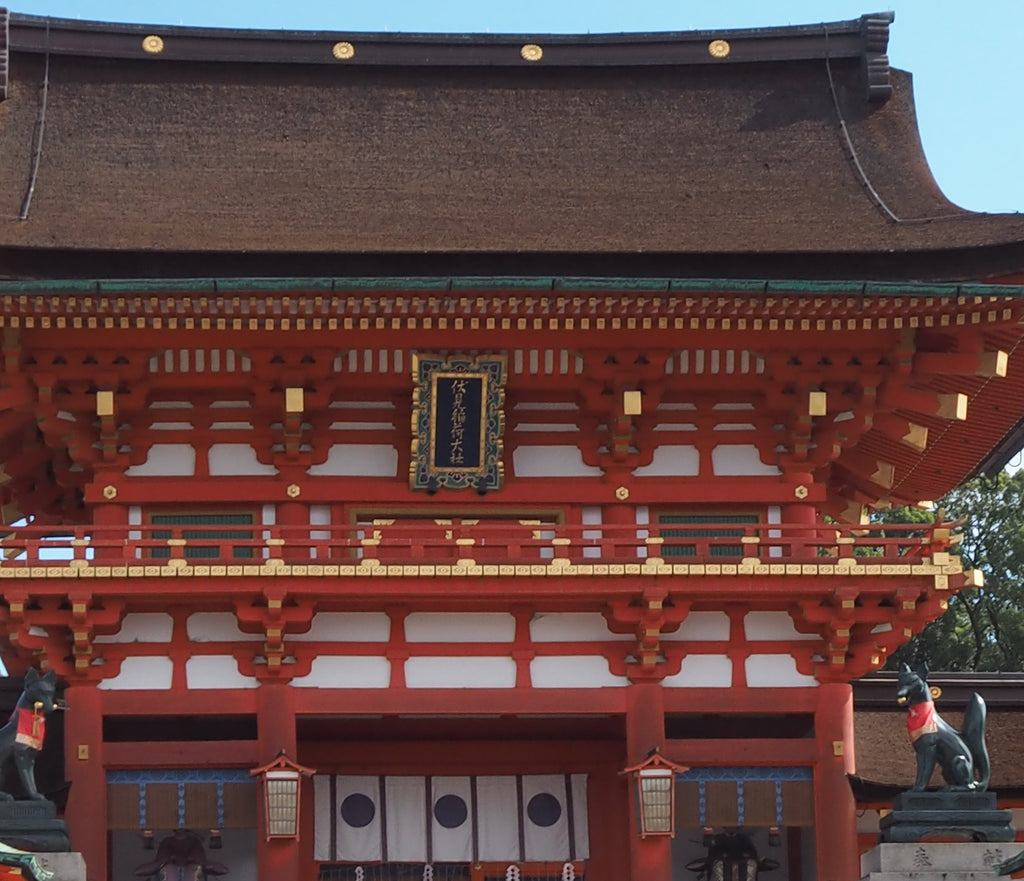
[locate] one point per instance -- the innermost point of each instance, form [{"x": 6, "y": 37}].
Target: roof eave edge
[{"x": 866, "y": 37}]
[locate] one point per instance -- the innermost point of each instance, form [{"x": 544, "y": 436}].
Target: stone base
[
  {"x": 65, "y": 866},
  {"x": 923, "y": 861},
  {"x": 33, "y": 826},
  {"x": 964, "y": 816}
]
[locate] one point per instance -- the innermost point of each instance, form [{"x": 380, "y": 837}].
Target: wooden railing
[{"x": 485, "y": 543}]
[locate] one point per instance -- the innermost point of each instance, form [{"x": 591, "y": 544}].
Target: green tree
[{"x": 983, "y": 630}]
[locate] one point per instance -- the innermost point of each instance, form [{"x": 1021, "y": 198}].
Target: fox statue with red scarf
[
  {"x": 22, "y": 737},
  {"x": 960, "y": 755}
]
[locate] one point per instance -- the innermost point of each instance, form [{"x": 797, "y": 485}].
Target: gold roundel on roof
[
  {"x": 343, "y": 51},
  {"x": 719, "y": 48},
  {"x": 153, "y": 44},
  {"x": 531, "y": 52}
]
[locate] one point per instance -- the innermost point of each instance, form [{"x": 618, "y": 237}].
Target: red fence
[{"x": 508, "y": 542}]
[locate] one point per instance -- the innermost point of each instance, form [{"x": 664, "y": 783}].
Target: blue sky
[{"x": 966, "y": 57}]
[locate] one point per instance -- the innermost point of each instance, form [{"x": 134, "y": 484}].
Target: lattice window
[{"x": 686, "y": 542}]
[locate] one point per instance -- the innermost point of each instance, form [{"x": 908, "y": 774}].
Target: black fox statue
[
  {"x": 960, "y": 755},
  {"x": 21, "y": 738}
]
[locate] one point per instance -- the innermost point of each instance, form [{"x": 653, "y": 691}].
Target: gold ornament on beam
[
  {"x": 719, "y": 48},
  {"x": 153, "y": 44}
]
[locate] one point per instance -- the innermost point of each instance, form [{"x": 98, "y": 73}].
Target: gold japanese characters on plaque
[{"x": 458, "y": 422}]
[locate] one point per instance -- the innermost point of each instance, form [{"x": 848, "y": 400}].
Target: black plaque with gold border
[{"x": 458, "y": 422}]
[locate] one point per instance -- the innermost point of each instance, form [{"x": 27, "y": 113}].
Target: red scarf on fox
[
  {"x": 31, "y": 727},
  {"x": 921, "y": 720}
]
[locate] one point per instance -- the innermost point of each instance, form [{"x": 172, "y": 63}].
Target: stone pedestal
[
  {"x": 33, "y": 825},
  {"x": 946, "y": 861},
  {"x": 962, "y": 816},
  {"x": 65, "y": 866}
]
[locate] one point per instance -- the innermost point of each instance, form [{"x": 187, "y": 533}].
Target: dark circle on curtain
[
  {"x": 544, "y": 809},
  {"x": 450, "y": 811},
  {"x": 358, "y": 810}
]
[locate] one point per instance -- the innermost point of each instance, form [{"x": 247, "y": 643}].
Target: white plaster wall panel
[
  {"x": 360, "y": 405},
  {"x": 360, "y": 426},
  {"x": 171, "y": 426},
  {"x": 772, "y": 626},
  {"x": 672, "y": 460},
  {"x": 166, "y": 460},
  {"x": 319, "y": 515},
  {"x": 572, "y": 627},
  {"x": 350, "y": 671},
  {"x": 545, "y": 460},
  {"x": 231, "y": 426},
  {"x": 216, "y": 671},
  {"x": 460, "y": 672},
  {"x": 227, "y": 460},
  {"x": 269, "y": 514},
  {"x": 702, "y": 671},
  {"x": 546, "y": 405},
  {"x": 358, "y": 460},
  {"x": 776, "y": 671},
  {"x": 172, "y": 405},
  {"x": 137, "y": 673},
  {"x": 345, "y": 627},
  {"x": 229, "y": 405},
  {"x": 218, "y": 627},
  {"x": 774, "y": 516},
  {"x": 885, "y": 627},
  {"x": 591, "y": 516},
  {"x": 460, "y": 627},
  {"x": 562, "y": 427},
  {"x": 135, "y": 515},
  {"x": 574, "y": 671},
  {"x": 141, "y": 627},
  {"x": 701, "y": 627},
  {"x": 740, "y": 460}
]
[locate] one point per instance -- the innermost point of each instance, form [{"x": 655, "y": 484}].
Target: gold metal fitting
[
  {"x": 293, "y": 491},
  {"x": 801, "y": 491},
  {"x": 110, "y": 491},
  {"x": 153, "y": 44},
  {"x": 343, "y": 51},
  {"x": 621, "y": 493},
  {"x": 531, "y": 52},
  {"x": 719, "y": 48},
  {"x": 935, "y": 692}
]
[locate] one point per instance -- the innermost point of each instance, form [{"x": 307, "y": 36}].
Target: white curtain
[{"x": 551, "y": 824}]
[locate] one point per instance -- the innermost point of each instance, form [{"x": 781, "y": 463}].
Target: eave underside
[{"x": 891, "y": 359}]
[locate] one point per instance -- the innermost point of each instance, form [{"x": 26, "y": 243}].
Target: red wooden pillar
[
  {"x": 622, "y": 519},
  {"x": 797, "y": 515},
  {"x": 86, "y": 811},
  {"x": 278, "y": 858},
  {"x": 112, "y": 520},
  {"x": 650, "y": 858},
  {"x": 835, "y": 810}
]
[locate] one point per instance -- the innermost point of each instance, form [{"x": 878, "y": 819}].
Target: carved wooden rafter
[
  {"x": 654, "y": 614},
  {"x": 613, "y": 379},
  {"x": 59, "y": 633},
  {"x": 275, "y": 617}
]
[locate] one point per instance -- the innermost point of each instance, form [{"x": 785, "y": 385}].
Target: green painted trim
[{"x": 339, "y": 286}]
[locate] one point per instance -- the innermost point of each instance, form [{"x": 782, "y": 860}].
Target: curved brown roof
[{"x": 610, "y": 147}]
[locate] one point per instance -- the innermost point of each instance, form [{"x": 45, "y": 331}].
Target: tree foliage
[{"x": 983, "y": 630}]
